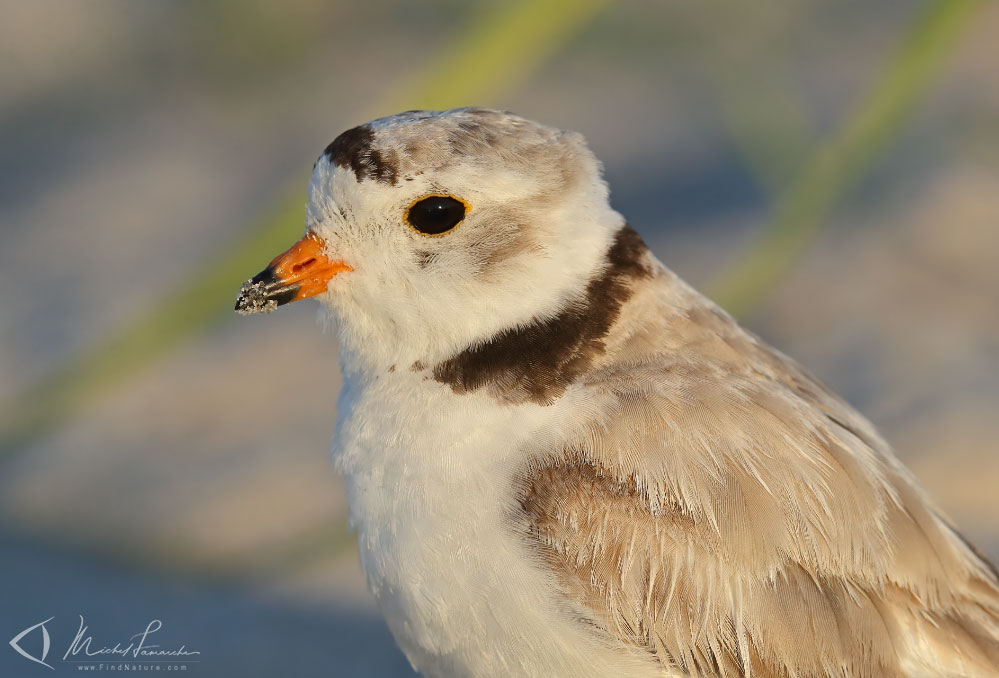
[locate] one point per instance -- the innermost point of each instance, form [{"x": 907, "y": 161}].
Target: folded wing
[{"x": 731, "y": 515}]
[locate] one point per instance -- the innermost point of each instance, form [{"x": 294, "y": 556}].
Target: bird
[{"x": 562, "y": 460}]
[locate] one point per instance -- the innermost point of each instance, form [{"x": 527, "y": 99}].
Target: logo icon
[{"x": 46, "y": 643}]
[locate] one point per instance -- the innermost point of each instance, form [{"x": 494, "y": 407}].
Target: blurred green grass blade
[
  {"x": 195, "y": 305},
  {"x": 839, "y": 163},
  {"x": 500, "y": 48},
  {"x": 501, "y": 45}
]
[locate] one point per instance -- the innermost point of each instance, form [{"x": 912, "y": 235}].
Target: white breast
[{"x": 429, "y": 480}]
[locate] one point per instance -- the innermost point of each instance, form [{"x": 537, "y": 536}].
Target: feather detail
[{"x": 729, "y": 514}]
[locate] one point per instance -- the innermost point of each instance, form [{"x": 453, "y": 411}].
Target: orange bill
[{"x": 300, "y": 273}]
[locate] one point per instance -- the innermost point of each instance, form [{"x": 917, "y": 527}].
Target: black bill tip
[{"x": 263, "y": 293}]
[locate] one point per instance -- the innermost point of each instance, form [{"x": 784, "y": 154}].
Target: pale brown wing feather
[{"x": 729, "y": 513}]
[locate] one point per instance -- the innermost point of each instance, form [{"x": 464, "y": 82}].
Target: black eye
[{"x": 436, "y": 214}]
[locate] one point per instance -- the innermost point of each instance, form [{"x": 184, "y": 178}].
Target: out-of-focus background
[{"x": 828, "y": 170}]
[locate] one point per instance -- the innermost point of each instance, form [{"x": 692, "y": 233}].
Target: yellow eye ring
[{"x": 436, "y": 214}]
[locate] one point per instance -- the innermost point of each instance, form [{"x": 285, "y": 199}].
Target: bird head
[{"x": 429, "y": 231}]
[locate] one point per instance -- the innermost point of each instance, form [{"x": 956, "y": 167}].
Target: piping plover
[{"x": 561, "y": 460}]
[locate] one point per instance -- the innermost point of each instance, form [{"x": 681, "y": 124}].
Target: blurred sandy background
[{"x": 142, "y": 141}]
